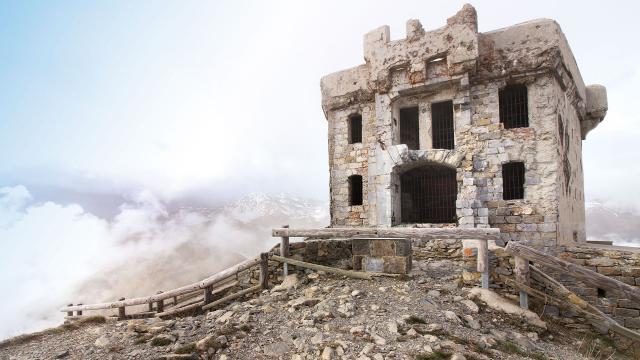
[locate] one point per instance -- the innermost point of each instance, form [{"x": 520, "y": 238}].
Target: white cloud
[{"x": 54, "y": 254}]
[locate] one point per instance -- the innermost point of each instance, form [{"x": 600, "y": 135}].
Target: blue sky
[{"x": 216, "y": 98}]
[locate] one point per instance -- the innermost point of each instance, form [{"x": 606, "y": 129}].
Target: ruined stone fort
[{"x": 456, "y": 128}]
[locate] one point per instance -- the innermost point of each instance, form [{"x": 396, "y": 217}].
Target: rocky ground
[{"x": 321, "y": 316}]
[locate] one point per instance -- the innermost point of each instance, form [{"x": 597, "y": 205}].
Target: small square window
[
  {"x": 442, "y": 125},
  {"x": 514, "y": 106},
  {"x": 355, "y": 129},
  {"x": 513, "y": 181},
  {"x": 355, "y": 190},
  {"x": 410, "y": 128}
]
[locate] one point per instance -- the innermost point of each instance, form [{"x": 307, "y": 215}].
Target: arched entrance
[{"x": 428, "y": 195}]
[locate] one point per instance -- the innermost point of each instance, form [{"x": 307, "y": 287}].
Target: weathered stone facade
[{"x": 457, "y": 63}]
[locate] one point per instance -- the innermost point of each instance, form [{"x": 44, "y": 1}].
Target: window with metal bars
[
  {"x": 514, "y": 107},
  {"x": 513, "y": 180},
  {"x": 410, "y": 128},
  {"x": 442, "y": 125},
  {"x": 355, "y": 190},
  {"x": 428, "y": 195},
  {"x": 355, "y": 128}
]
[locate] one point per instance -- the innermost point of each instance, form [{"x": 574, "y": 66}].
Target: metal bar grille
[
  {"x": 355, "y": 190},
  {"x": 514, "y": 107},
  {"x": 442, "y": 125},
  {"x": 428, "y": 195},
  {"x": 355, "y": 129},
  {"x": 513, "y": 181},
  {"x": 409, "y": 128}
]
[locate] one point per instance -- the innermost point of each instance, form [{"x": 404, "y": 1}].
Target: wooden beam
[
  {"x": 122, "y": 314},
  {"x": 582, "y": 307},
  {"x": 195, "y": 303},
  {"x": 208, "y": 296},
  {"x": 348, "y": 273},
  {"x": 483, "y": 263},
  {"x": 522, "y": 276},
  {"x": 284, "y": 251},
  {"x": 160, "y": 303},
  {"x": 579, "y": 272},
  {"x": 233, "y": 296},
  {"x": 195, "y": 287},
  {"x": 421, "y": 233},
  {"x": 264, "y": 270}
]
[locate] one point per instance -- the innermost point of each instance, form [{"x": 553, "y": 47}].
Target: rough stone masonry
[{"x": 456, "y": 128}]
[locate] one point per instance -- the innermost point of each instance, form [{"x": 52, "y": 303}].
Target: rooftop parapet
[{"x": 529, "y": 48}]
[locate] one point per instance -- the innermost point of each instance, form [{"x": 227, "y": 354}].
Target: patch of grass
[
  {"x": 413, "y": 319},
  {"x": 436, "y": 355},
  {"x": 538, "y": 356},
  {"x": 186, "y": 348},
  {"x": 73, "y": 325},
  {"x": 95, "y": 319},
  {"x": 160, "y": 341},
  {"x": 597, "y": 347},
  {"x": 248, "y": 328},
  {"x": 480, "y": 350},
  {"x": 510, "y": 347},
  {"x": 458, "y": 340}
]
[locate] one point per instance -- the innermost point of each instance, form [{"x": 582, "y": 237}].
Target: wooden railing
[
  {"x": 523, "y": 255},
  {"x": 482, "y": 235},
  {"x": 200, "y": 295},
  {"x": 184, "y": 298}
]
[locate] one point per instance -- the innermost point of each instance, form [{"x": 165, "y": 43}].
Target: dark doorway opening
[
  {"x": 410, "y": 128},
  {"x": 428, "y": 195}
]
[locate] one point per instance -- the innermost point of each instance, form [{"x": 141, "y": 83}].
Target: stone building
[{"x": 452, "y": 127}]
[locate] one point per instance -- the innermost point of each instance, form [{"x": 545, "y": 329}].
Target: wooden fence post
[
  {"x": 69, "y": 313},
  {"x": 79, "y": 312},
  {"x": 121, "y": 312},
  {"x": 160, "y": 304},
  {"x": 264, "y": 270},
  {"x": 284, "y": 252},
  {"x": 522, "y": 276},
  {"x": 483, "y": 263},
  {"x": 208, "y": 295}
]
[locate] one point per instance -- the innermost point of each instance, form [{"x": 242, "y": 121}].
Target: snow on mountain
[
  {"x": 260, "y": 205},
  {"x": 610, "y": 222}
]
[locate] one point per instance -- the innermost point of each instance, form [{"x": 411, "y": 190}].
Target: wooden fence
[
  {"x": 523, "y": 255},
  {"x": 182, "y": 299},
  {"x": 482, "y": 235},
  {"x": 201, "y": 295}
]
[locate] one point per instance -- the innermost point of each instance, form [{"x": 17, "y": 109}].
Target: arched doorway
[{"x": 428, "y": 195}]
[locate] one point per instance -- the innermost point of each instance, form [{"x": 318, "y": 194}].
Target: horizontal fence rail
[
  {"x": 421, "y": 233},
  {"x": 225, "y": 274}
]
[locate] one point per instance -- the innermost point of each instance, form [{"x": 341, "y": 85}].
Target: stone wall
[
  {"x": 620, "y": 263},
  {"x": 457, "y": 63}
]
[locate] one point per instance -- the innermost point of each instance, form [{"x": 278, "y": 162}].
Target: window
[
  {"x": 513, "y": 181},
  {"x": 514, "y": 107},
  {"x": 442, "y": 125},
  {"x": 355, "y": 128},
  {"x": 355, "y": 190},
  {"x": 409, "y": 128},
  {"x": 428, "y": 195}
]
